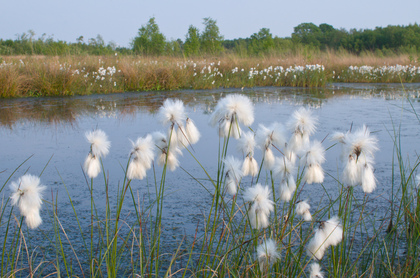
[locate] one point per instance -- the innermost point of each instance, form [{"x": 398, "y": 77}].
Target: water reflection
[{"x": 66, "y": 111}]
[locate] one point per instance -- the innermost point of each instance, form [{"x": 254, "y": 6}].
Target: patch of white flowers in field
[{"x": 380, "y": 73}]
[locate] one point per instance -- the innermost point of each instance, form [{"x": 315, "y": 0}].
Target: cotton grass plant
[{"x": 258, "y": 222}]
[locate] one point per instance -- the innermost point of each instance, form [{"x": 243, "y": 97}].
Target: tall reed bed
[
  {"x": 262, "y": 218},
  {"x": 81, "y": 75}
]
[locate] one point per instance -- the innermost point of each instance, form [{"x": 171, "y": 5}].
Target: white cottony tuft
[
  {"x": 314, "y": 157},
  {"x": 316, "y": 247},
  {"x": 333, "y": 231},
  {"x": 99, "y": 147},
  {"x": 358, "y": 155},
  {"x": 315, "y": 271},
  {"x": 266, "y": 138},
  {"x": 233, "y": 174},
  {"x": 250, "y": 166},
  {"x": 269, "y": 159},
  {"x": 229, "y": 128},
  {"x": 143, "y": 150},
  {"x": 284, "y": 170},
  {"x": 246, "y": 144},
  {"x": 142, "y": 157},
  {"x": 192, "y": 132},
  {"x": 272, "y": 135},
  {"x": 302, "y": 209},
  {"x": 329, "y": 233},
  {"x": 259, "y": 196},
  {"x": 267, "y": 254},
  {"x": 166, "y": 154},
  {"x": 303, "y": 125},
  {"x": 351, "y": 175},
  {"x": 136, "y": 170},
  {"x": 92, "y": 166},
  {"x": 314, "y": 174},
  {"x": 99, "y": 142},
  {"x": 339, "y": 137},
  {"x": 368, "y": 179},
  {"x": 172, "y": 111},
  {"x": 303, "y": 121},
  {"x": 27, "y": 194},
  {"x": 33, "y": 219},
  {"x": 230, "y": 112},
  {"x": 170, "y": 158},
  {"x": 160, "y": 140},
  {"x": 362, "y": 143}
]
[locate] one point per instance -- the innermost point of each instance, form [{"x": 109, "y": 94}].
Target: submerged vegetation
[{"x": 257, "y": 220}]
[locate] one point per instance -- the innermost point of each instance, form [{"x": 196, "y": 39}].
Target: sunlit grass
[{"x": 84, "y": 75}]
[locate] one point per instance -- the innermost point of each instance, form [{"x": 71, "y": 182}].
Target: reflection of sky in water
[{"x": 127, "y": 116}]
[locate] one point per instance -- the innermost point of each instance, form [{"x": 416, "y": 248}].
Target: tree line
[{"x": 151, "y": 42}]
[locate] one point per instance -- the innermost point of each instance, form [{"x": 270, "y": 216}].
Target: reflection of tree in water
[{"x": 66, "y": 110}]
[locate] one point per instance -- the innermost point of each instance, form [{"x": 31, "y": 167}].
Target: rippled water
[{"x": 54, "y": 128}]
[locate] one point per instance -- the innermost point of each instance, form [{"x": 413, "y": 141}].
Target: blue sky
[{"x": 119, "y": 21}]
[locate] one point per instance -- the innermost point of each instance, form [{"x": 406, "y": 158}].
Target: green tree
[
  {"x": 173, "y": 48},
  {"x": 192, "y": 42},
  {"x": 306, "y": 33},
  {"x": 261, "y": 42},
  {"x": 211, "y": 40},
  {"x": 150, "y": 41}
]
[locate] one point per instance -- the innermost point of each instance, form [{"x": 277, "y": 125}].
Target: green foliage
[
  {"x": 261, "y": 42},
  {"x": 192, "y": 42},
  {"x": 384, "y": 41},
  {"x": 211, "y": 40},
  {"x": 150, "y": 41}
]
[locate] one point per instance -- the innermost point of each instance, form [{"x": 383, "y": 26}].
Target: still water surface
[{"x": 54, "y": 128}]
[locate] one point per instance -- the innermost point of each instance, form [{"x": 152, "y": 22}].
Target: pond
[{"x": 51, "y": 133}]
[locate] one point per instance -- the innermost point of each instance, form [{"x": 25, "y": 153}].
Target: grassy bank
[{"x": 83, "y": 75}]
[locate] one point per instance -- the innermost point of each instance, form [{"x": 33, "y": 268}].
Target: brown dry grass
[{"x": 55, "y": 76}]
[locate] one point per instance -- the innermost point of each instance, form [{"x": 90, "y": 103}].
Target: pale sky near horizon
[{"x": 119, "y": 21}]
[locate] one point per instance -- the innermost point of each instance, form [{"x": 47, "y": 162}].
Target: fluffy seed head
[
  {"x": 172, "y": 111},
  {"x": 136, "y": 170},
  {"x": 314, "y": 174},
  {"x": 250, "y": 166},
  {"x": 92, "y": 166},
  {"x": 303, "y": 122},
  {"x": 368, "y": 178},
  {"x": 267, "y": 254},
  {"x": 143, "y": 150},
  {"x": 329, "y": 233},
  {"x": 229, "y": 112},
  {"x": 233, "y": 173},
  {"x": 315, "y": 271},
  {"x": 27, "y": 194},
  {"x": 269, "y": 159},
  {"x": 302, "y": 208},
  {"x": 272, "y": 135},
  {"x": 246, "y": 143},
  {"x": 99, "y": 143},
  {"x": 261, "y": 206},
  {"x": 191, "y": 131}
]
